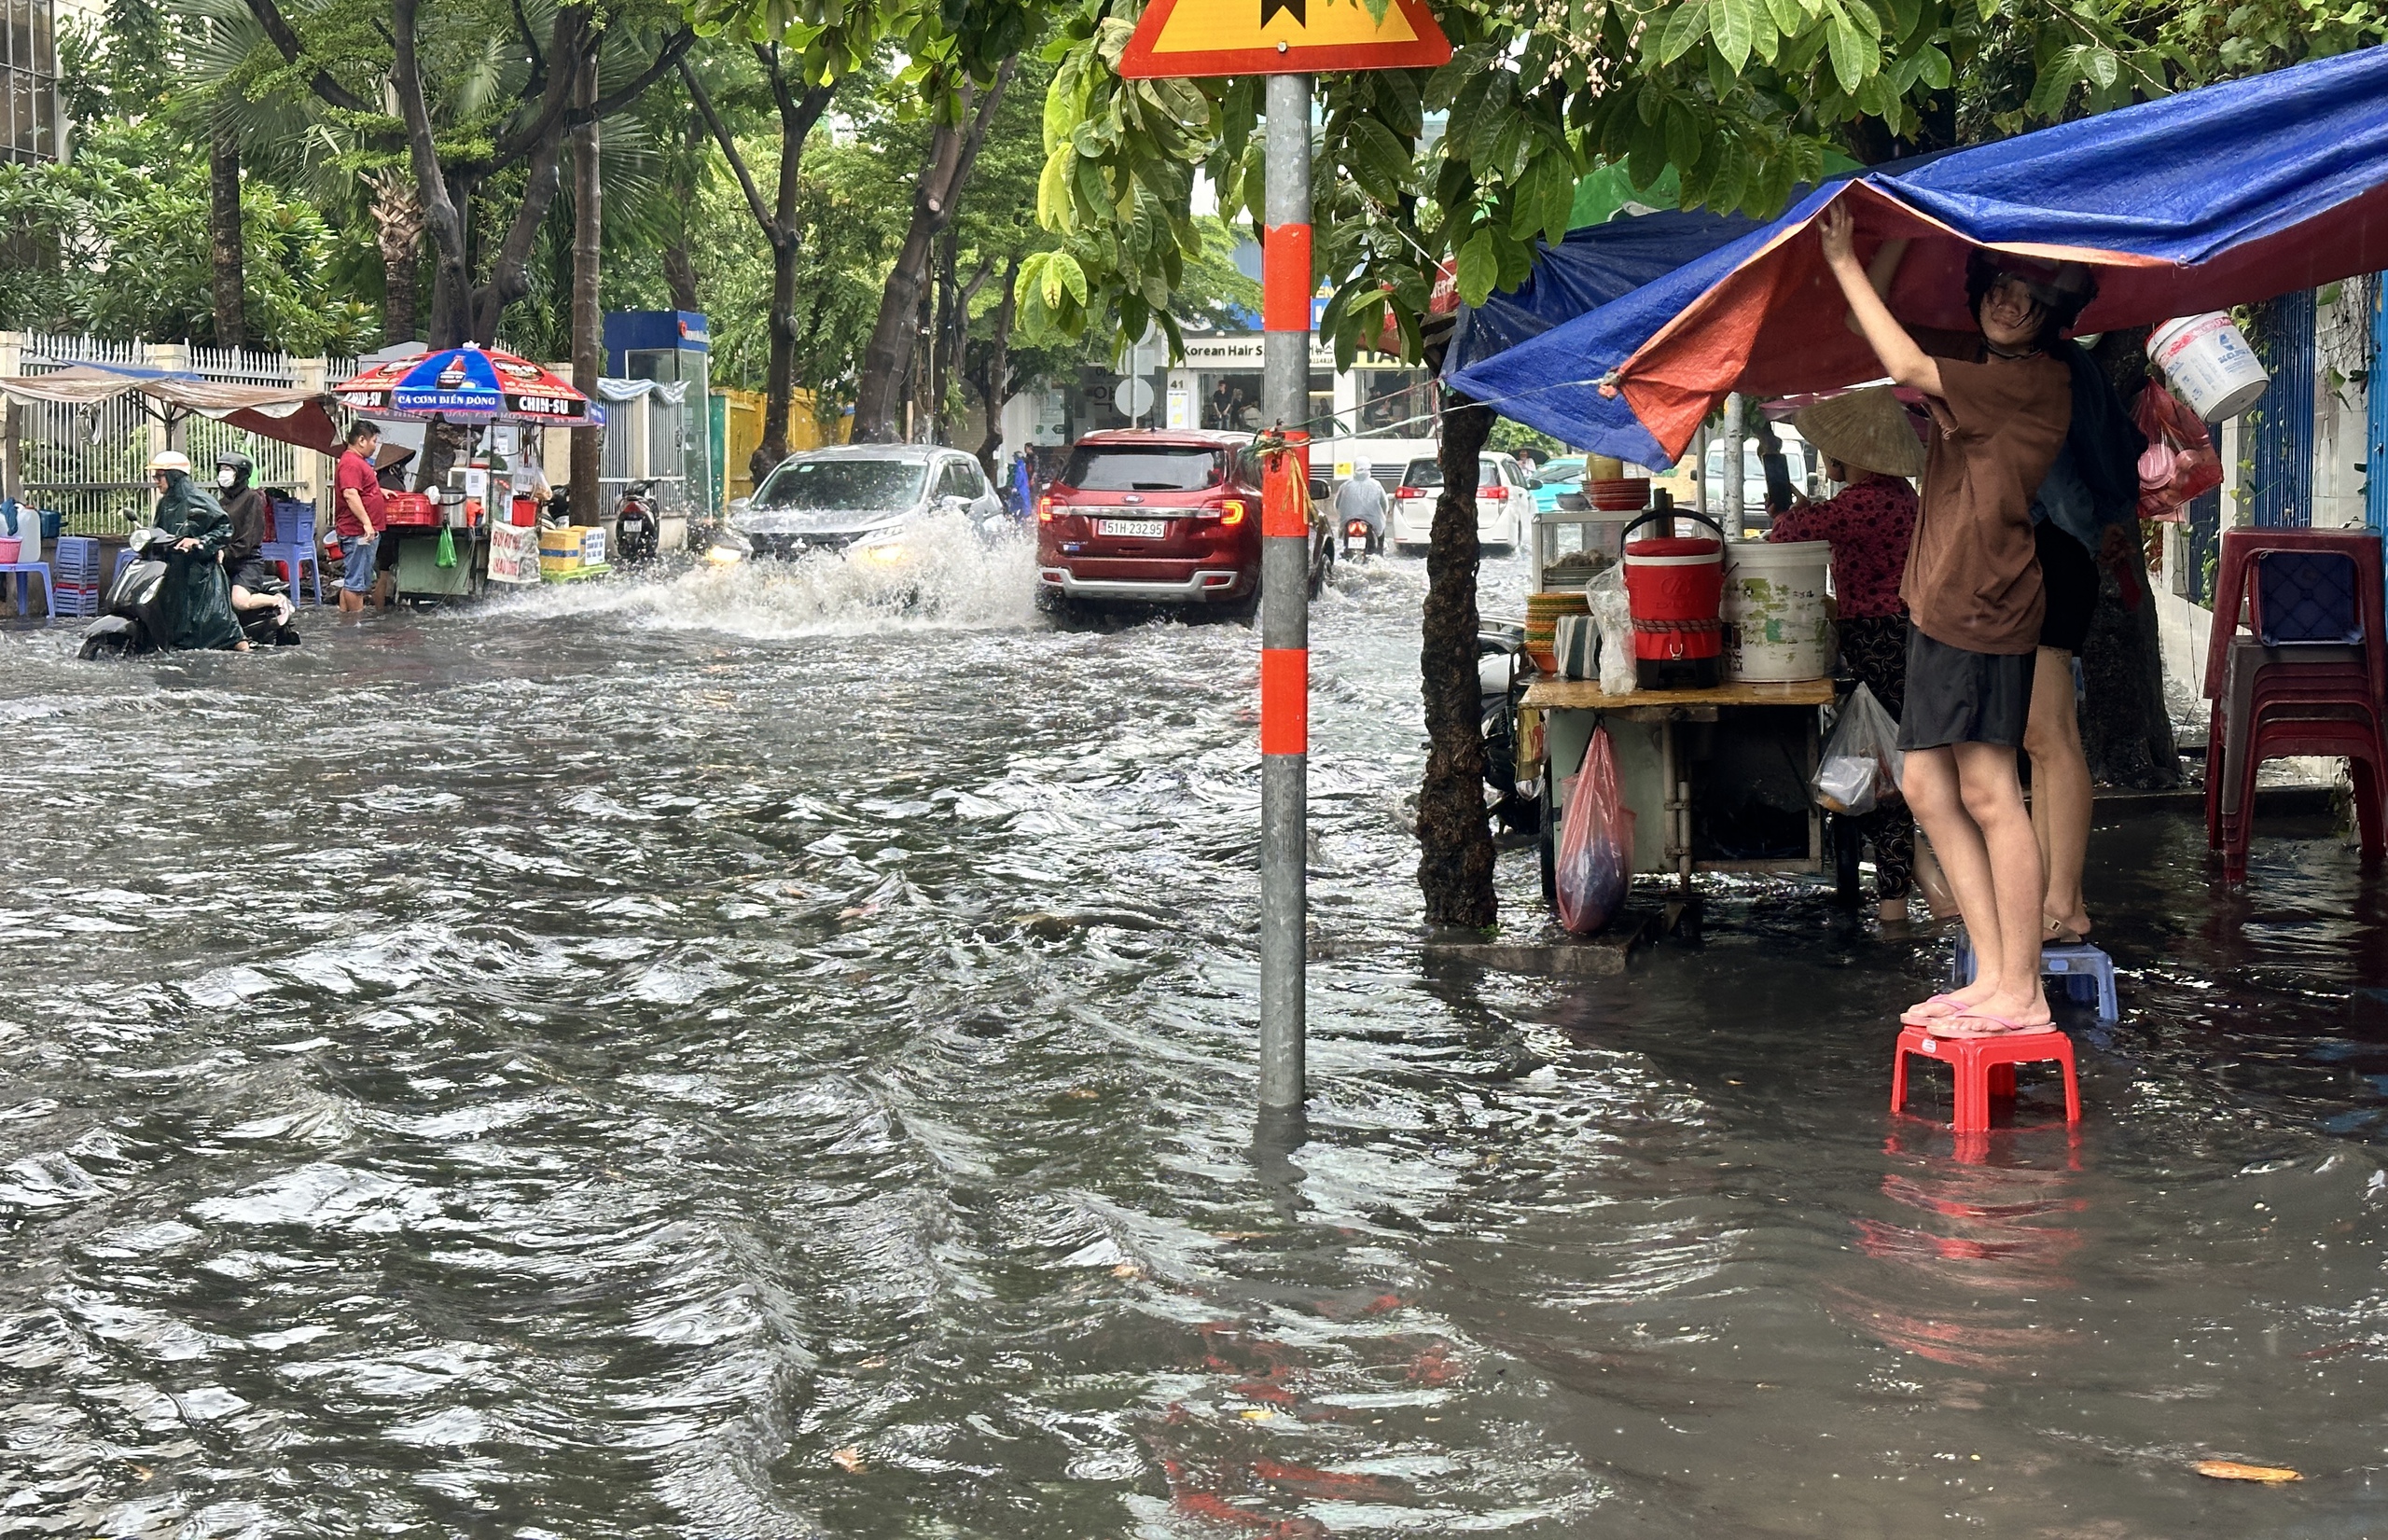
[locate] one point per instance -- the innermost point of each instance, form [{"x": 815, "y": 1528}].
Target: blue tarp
[
  {"x": 1595, "y": 265},
  {"x": 2212, "y": 197}
]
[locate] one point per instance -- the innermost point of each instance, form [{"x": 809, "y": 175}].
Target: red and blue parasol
[{"x": 469, "y": 384}]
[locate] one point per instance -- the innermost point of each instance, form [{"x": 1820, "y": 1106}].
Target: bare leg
[
  {"x": 1930, "y": 783},
  {"x": 1992, "y": 800},
  {"x": 1937, "y": 895},
  {"x": 2060, "y": 793}
]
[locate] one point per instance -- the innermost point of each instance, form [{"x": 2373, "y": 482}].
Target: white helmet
[{"x": 170, "y": 460}]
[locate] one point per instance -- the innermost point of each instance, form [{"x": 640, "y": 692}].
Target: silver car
[{"x": 863, "y": 497}]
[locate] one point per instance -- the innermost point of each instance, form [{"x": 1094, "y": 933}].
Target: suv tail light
[
  {"x": 1493, "y": 494},
  {"x": 1045, "y": 509},
  {"x": 1407, "y": 492},
  {"x": 1232, "y": 511}
]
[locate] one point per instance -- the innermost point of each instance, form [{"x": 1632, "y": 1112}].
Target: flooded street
[{"x": 734, "y": 1056}]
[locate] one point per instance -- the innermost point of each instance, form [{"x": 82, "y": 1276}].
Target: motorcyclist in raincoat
[
  {"x": 197, "y": 531},
  {"x": 246, "y": 505}
]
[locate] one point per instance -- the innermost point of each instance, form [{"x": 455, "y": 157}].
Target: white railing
[{"x": 92, "y": 464}]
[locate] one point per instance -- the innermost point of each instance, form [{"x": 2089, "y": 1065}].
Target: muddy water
[{"x": 741, "y": 1056}]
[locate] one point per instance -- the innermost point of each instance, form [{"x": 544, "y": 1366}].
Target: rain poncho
[{"x": 200, "y": 592}]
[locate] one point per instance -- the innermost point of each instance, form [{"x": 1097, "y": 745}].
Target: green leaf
[
  {"x": 1062, "y": 103},
  {"x": 1683, "y": 133},
  {"x": 1053, "y": 208},
  {"x": 1379, "y": 161},
  {"x": 1732, "y": 172},
  {"x": 1732, "y": 24},
  {"x": 1072, "y": 277},
  {"x": 1092, "y": 193},
  {"x": 1478, "y": 265},
  {"x": 1685, "y": 28},
  {"x": 1849, "y": 49}
]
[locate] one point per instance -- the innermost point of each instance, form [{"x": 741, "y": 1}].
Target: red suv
[{"x": 1158, "y": 517}]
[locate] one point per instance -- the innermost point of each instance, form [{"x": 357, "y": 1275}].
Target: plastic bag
[
  {"x": 1595, "y": 862},
  {"x": 1861, "y": 760},
  {"x": 1614, "y": 612},
  {"x": 2179, "y": 463},
  {"x": 447, "y": 557}
]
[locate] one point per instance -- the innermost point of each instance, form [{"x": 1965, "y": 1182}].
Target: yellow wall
[{"x": 741, "y": 429}]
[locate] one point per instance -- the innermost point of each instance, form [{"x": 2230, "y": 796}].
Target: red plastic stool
[{"x": 1985, "y": 1067}]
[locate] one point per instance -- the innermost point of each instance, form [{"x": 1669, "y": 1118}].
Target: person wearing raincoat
[{"x": 197, "y": 531}]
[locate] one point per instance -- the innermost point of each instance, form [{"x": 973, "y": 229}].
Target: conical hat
[{"x": 1864, "y": 430}]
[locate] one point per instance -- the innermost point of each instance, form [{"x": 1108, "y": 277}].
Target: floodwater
[{"x": 734, "y": 1056}]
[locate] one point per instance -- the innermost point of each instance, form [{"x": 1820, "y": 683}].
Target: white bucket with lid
[
  {"x": 2208, "y": 364},
  {"x": 1776, "y": 625}
]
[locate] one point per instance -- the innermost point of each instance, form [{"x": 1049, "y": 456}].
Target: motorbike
[
  {"x": 1359, "y": 538},
  {"x": 134, "y": 620},
  {"x": 635, "y": 527},
  {"x": 1500, "y": 662}
]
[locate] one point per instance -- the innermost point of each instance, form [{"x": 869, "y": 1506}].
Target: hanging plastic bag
[
  {"x": 1595, "y": 862},
  {"x": 2179, "y": 463},
  {"x": 447, "y": 557},
  {"x": 1862, "y": 760},
  {"x": 1614, "y": 613}
]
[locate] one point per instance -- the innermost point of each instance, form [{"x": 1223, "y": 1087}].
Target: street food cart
[{"x": 477, "y": 526}]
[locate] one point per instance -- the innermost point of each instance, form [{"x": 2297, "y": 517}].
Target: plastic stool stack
[
  {"x": 1984, "y": 1068},
  {"x": 75, "y": 565},
  {"x": 2308, "y": 680},
  {"x": 2080, "y": 971}
]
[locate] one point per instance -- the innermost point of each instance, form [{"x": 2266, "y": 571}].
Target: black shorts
[
  {"x": 2069, "y": 577},
  {"x": 253, "y": 575},
  {"x": 1954, "y": 696}
]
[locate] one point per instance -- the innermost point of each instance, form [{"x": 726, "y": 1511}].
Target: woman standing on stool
[
  {"x": 1869, "y": 448},
  {"x": 2001, "y": 407}
]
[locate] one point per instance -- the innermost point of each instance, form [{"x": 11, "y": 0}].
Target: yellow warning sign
[{"x": 1199, "y": 38}]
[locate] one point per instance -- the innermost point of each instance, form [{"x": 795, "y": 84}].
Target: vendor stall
[{"x": 480, "y": 524}]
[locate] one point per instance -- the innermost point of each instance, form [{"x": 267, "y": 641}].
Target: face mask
[{"x": 225, "y": 478}]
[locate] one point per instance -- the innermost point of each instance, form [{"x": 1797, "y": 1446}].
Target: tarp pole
[
  {"x": 1735, "y": 448},
  {"x": 1286, "y": 281}
]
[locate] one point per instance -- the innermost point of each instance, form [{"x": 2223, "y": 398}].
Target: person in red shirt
[{"x": 357, "y": 505}]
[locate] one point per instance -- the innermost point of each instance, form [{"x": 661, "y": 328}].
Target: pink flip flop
[
  {"x": 1992, "y": 1026},
  {"x": 1924, "y": 1014}
]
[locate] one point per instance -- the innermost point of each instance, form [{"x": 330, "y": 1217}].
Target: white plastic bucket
[
  {"x": 1776, "y": 626},
  {"x": 2209, "y": 365}
]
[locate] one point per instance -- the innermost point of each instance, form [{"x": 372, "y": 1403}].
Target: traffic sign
[{"x": 1191, "y": 37}]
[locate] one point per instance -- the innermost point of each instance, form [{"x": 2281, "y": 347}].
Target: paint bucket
[
  {"x": 2208, "y": 365},
  {"x": 10, "y": 548},
  {"x": 1776, "y": 626},
  {"x": 1542, "y": 611},
  {"x": 1675, "y": 587}
]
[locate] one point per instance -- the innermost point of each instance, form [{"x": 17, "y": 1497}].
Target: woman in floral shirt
[{"x": 1868, "y": 447}]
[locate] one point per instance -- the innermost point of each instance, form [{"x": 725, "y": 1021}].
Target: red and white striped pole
[{"x": 1287, "y": 283}]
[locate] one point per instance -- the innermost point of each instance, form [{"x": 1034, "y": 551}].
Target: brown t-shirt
[{"x": 1973, "y": 579}]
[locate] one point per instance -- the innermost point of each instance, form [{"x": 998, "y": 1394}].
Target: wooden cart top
[{"x": 1587, "y": 695}]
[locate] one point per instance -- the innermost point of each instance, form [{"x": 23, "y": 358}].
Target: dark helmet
[
  {"x": 240, "y": 464},
  {"x": 2062, "y": 290}
]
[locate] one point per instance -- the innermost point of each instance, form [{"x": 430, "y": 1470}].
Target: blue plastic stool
[{"x": 2080, "y": 970}]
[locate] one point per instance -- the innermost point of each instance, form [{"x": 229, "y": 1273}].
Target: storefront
[{"x": 1218, "y": 386}]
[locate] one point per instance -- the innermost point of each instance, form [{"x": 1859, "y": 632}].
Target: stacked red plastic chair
[{"x": 2310, "y": 678}]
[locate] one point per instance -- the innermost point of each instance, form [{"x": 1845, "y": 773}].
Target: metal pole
[
  {"x": 1734, "y": 452},
  {"x": 1286, "y": 281}
]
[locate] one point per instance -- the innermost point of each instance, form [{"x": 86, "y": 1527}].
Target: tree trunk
[
  {"x": 2125, "y": 729},
  {"x": 1454, "y": 836},
  {"x": 880, "y": 395},
  {"x": 587, "y": 319},
  {"x": 397, "y": 231},
  {"x": 680, "y": 274},
  {"x": 993, "y": 376},
  {"x": 224, "y": 230}
]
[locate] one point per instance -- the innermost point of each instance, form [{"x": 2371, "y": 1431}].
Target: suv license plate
[{"x": 1143, "y": 529}]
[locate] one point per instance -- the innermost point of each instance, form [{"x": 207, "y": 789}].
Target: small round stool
[{"x": 1985, "y": 1067}]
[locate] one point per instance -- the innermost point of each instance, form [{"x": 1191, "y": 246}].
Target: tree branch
[
  {"x": 729, "y": 152},
  {"x": 287, "y": 43},
  {"x": 555, "y": 101},
  {"x": 537, "y": 83},
  {"x": 666, "y": 60}
]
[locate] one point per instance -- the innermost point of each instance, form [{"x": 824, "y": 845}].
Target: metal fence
[{"x": 90, "y": 464}]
